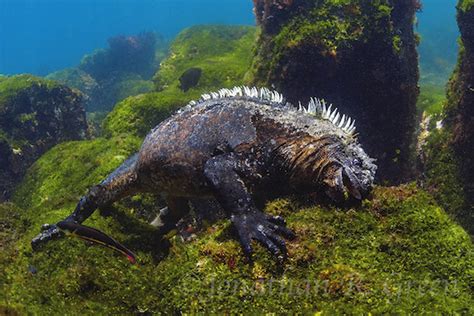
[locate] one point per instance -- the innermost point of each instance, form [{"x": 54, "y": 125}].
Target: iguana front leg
[
  {"x": 120, "y": 183},
  {"x": 222, "y": 172}
]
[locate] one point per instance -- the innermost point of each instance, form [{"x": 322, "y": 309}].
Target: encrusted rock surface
[
  {"x": 460, "y": 110},
  {"x": 35, "y": 114},
  {"x": 360, "y": 55}
]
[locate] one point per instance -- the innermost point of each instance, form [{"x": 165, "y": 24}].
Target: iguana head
[
  {"x": 331, "y": 155},
  {"x": 348, "y": 172}
]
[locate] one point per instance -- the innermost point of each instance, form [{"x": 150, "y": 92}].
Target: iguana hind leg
[
  {"x": 120, "y": 183},
  {"x": 223, "y": 173}
]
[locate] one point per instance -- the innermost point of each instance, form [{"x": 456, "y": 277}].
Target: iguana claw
[
  {"x": 265, "y": 229},
  {"x": 48, "y": 232}
]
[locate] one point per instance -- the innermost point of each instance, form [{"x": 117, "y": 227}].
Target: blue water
[
  {"x": 42, "y": 36},
  {"x": 439, "y": 33}
]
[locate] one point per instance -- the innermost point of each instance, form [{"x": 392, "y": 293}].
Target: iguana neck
[{"x": 309, "y": 159}]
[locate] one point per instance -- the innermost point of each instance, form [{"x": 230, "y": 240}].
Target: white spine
[{"x": 316, "y": 107}]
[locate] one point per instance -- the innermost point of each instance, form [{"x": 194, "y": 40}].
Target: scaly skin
[{"x": 239, "y": 147}]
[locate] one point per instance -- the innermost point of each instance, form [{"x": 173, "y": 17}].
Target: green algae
[
  {"x": 222, "y": 52},
  {"x": 443, "y": 177},
  {"x": 399, "y": 253},
  {"x": 465, "y": 5},
  {"x": 70, "y": 168},
  {"x": 137, "y": 115},
  {"x": 336, "y": 24},
  {"x": 432, "y": 99},
  {"x": 10, "y": 87}
]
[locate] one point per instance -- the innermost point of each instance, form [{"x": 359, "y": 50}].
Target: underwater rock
[
  {"x": 80, "y": 80},
  {"x": 124, "y": 69},
  {"x": 399, "y": 252},
  {"x": 459, "y": 121},
  {"x": 360, "y": 55},
  {"x": 224, "y": 53},
  {"x": 127, "y": 54},
  {"x": 190, "y": 78},
  {"x": 75, "y": 78},
  {"x": 35, "y": 114}
]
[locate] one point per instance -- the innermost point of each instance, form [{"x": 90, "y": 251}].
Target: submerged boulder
[
  {"x": 35, "y": 114},
  {"x": 224, "y": 55},
  {"x": 222, "y": 52},
  {"x": 360, "y": 55},
  {"x": 125, "y": 54},
  {"x": 450, "y": 154},
  {"x": 109, "y": 75}
]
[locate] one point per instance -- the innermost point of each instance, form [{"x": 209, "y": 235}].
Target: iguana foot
[
  {"x": 48, "y": 232},
  {"x": 265, "y": 229}
]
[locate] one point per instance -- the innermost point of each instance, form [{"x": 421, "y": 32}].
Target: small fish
[{"x": 97, "y": 237}]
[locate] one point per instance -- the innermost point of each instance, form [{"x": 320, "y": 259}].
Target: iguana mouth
[{"x": 352, "y": 184}]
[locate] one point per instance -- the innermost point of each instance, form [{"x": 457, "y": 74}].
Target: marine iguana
[{"x": 239, "y": 146}]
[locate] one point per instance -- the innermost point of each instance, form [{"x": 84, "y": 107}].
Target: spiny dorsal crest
[
  {"x": 316, "y": 107},
  {"x": 319, "y": 107},
  {"x": 262, "y": 94}
]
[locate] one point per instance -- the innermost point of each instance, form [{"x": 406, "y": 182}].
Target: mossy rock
[
  {"x": 443, "y": 175},
  {"x": 65, "y": 172},
  {"x": 10, "y": 87},
  {"x": 223, "y": 53},
  {"x": 137, "y": 115},
  {"x": 131, "y": 86},
  {"x": 399, "y": 252},
  {"x": 449, "y": 167},
  {"x": 359, "y": 55},
  {"x": 465, "y": 5},
  {"x": 35, "y": 114},
  {"x": 75, "y": 78}
]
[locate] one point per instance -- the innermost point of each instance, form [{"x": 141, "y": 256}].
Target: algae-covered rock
[
  {"x": 137, "y": 115},
  {"x": 449, "y": 153},
  {"x": 399, "y": 253},
  {"x": 35, "y": 114},
  {"x": 460, "y": 106},
  {"x": 359, "y": 55},
  {"x": 124, "y": 69},
  {"x": 223, "y": 53},
  {"x": 125, "y": 54},
  {"x": 78, "y": 79}
]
